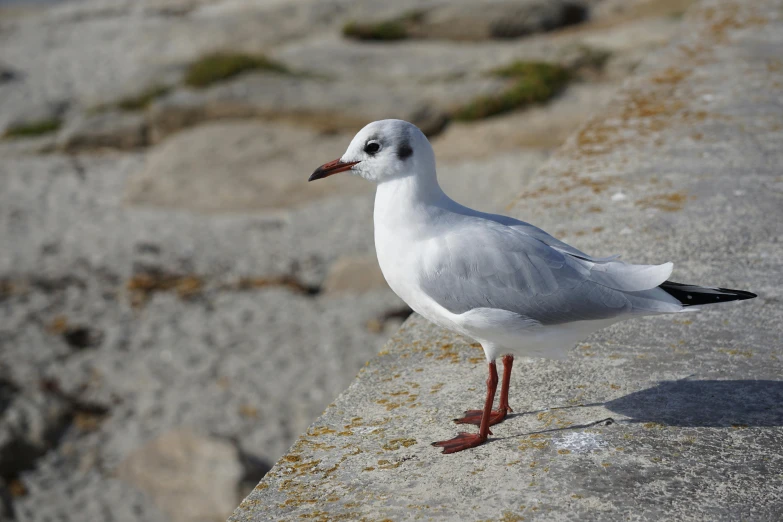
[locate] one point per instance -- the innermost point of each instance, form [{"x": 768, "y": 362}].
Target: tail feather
[{"x": 692, "y": 295}]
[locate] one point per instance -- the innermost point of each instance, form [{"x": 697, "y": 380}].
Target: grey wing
[
  {"x": 488, "y": 265},
  {"x": 541, "y": 235}
]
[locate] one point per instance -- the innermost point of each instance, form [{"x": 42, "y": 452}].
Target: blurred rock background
[{"x": 176, "y": 302}]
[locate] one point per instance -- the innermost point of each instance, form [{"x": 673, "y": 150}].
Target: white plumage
[{"x": 503, "y": 282}]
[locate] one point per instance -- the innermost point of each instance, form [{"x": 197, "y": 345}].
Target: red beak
[{"x": 333, "y": 167}]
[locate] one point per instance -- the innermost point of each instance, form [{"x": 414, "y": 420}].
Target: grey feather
[{"x": 481, "y": 264}]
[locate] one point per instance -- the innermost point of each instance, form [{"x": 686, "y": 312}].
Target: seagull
[{"x": 507, "y": 284}]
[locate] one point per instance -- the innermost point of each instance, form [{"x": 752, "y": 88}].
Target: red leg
[
  {"x": 497, "y": 416},
  {"x": 508, "y": 362},
  {"x": 471, "y": 440}
]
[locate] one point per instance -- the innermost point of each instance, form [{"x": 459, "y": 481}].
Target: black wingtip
[
  {"x": 692, "y": 295},
  {"x": 740, "y": 295}
]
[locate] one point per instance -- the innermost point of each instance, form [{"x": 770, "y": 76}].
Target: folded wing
[{"x": 482, "y": 264}]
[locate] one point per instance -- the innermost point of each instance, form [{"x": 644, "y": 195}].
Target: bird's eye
[{"x": 372, "y": 147}]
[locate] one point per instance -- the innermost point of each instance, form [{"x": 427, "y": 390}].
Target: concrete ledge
[{"x": 686, "y": 165}]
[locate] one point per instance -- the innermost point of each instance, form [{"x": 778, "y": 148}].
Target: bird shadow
[
  {"x": 691, "y": 403},
  {"x": 717, "y": 404}
]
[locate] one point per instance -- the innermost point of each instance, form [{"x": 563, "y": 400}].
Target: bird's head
[{"x": 383, "y": 150}]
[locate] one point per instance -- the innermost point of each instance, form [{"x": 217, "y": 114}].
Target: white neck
[{"x": 404, "y": 200}]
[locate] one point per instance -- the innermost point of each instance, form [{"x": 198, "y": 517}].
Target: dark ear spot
[{"x": 404, "y": 150}]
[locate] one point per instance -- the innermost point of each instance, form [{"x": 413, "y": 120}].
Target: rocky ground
[{"x": 176, "y": 303}]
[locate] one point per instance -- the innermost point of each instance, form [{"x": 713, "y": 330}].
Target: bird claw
[
  {"x": 461, "y": 442},
  {"x": 474, "y": 417}
]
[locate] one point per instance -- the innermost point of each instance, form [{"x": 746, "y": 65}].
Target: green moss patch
[
  {"x": 141, "y": 100},
  {"x": 33, "y": 128},
  {"x": 217, "y": 67},
  {"x": 386, "y": 30},
  {"x": 533, "y": 82},
  {"x": 381, "y": 31}
]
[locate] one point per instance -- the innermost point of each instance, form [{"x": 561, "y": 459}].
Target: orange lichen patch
[
  {"x": 388, "y": 405},
  {"x": 671, "y": 202},
  {"x": 345, "y": 457},
  {"x": 570, "y": 183},
  {"x": 285, "y": 281},
  {"x": 300, "y": 468},
  {"x": 553, "y": 418},
  {"x": 58, "y": 325},
  {"x": 87, "y": 421},
  {"x": 246, "y": 410},
  {"x": 448, "y": 351},
  {"x": 597, "y": 138},
  {"x": 476, "y": 360},
  {"x": 323, "y": 516},
  {"x": 648, "y": 105},
  {"x": 395, "y": 444},
  {"x": 401, "y": 400},
  {"x": 508, "y": 516},
  {"x": 355, "y": 423},
  {"x": 535, "y": 441},
  {"x": 746, "y": 353},
  {"x": 143, "y": 285},
  {"x": 722, "y": 19},
  {"x": 386, "y": 464},
  {"x": 312, "y": 444},
  {"x": 298, "y": 501},
  {"x": 671, "y": 76},
  {"x": 249, "y": 503},
  {"x": 436, "y": 387},
  {"x": 643, "y": 113},
  {"x": 564, "y": 451},
  {"x": 320, "y": 430}
]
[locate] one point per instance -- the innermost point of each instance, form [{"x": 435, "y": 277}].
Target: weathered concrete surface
[
  {"x": 192, "y": 302},
  {"x": 684, "y": 166}
]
